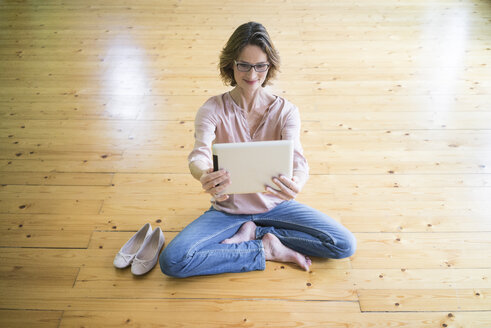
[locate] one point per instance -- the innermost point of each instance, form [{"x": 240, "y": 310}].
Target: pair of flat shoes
[{"x": 141, "y": 251}]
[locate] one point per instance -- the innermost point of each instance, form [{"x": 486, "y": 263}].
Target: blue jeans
[{"x": 196, "y": 250}]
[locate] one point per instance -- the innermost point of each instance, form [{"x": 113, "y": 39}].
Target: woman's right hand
[{"x": 214, "y": 182}]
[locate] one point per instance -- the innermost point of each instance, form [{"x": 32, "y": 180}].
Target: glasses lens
[
  {"x": 261, "y": 67},
  {"x": 243, "y": 67}
]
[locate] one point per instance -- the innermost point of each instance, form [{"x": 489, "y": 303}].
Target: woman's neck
[{"x": 250, "y": 100}]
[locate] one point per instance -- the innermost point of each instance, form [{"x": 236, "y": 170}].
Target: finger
[
  {"x": 215, "y": 182},
  {"x": 207, "y": 177},
  {"x": 214, "y": 190},
  {"x": 221, "y": 198},
  {"x": 293, "y": 187},
  {"x": 218, "y": 189},
  {"x": 212, "y": 175},
  {"x": 277, "y": 193},
  {"x": 290, "y": 183},
  {"x": 285, "y": 190},
  {"x": 223, "y": 183},
  {"x": 212, "y": 184}
]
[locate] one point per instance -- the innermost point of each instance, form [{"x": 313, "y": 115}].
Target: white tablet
[{"x": 253, "y": 164}]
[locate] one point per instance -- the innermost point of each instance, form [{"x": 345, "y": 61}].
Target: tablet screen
[{"x": 252, "y": 164}]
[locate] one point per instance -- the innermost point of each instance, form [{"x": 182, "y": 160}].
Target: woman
[{"x": 241, "y": 232}]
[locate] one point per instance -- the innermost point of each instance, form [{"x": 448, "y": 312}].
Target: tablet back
[{"x": 253, "y": 164}]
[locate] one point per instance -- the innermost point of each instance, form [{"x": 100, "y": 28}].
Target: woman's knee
[
  {"x": 346, "y": 246},
  {"x": 169, "y": 263}
]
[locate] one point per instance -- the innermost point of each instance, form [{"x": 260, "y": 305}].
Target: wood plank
[
  {"x": 421, "y": 250},
  {"x": 108, "y": 108},
  {"x": 445, "y": 278},
  {"x": 136, "y": 161},
  {"x": 184, "y": 108},
  {"x": 33, "y": 230},
  {"x": 185, "y": 14},
  {"x": 264, "y": 317},
  {"x": 30, "y": 318},
  {"x": 47, "y": 257},
  {"x": 373, "y": 220},
  {"x": 329, "y": 285},
  {"x": 336, "y": 33},
  {"x": 19, "y": 277},
  {"x": 207, "y": 306},
  {"x": 20, "y": 282},
  {"x": 76, "y": 222},
  {"x": 362, "y": 49},
  {"x": 210, "y": 86},
  {"x": 425, "y": 300},
  {"x": 39, "y": 205},
  {"x": 55, "y": 179},
  {"x": 401, "y": 120},
  {"x": 45, "y": 237},
  {"x": 53, "y": 192}
]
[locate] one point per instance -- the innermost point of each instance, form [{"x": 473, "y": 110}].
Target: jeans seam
[
  {"x": 299, "y": 225},
  {"x": 303, "y": 240},
  {"x": 228, "y": 250},
  {"x": 310, "y": 241}
]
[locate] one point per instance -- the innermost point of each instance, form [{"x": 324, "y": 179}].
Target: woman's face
[{"x": 252, "y": 80}]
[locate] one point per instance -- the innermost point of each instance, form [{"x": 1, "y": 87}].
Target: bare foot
[
  {"x": 276, "y": 251},
  {"x": 246, "y": 232}
]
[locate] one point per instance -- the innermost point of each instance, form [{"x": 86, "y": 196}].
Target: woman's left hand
[{"x": 289, "y": 188}]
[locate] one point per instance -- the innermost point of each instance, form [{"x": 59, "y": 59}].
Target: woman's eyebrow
[{"x": 246, "y": 62}]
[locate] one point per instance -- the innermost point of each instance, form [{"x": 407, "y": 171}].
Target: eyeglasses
[{"x": 244, "y": 67}]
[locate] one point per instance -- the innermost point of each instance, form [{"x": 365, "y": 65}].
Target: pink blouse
[{"x": 221, "y": 120}]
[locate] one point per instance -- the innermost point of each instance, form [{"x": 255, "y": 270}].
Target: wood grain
[{"x": 97, "y": 103}]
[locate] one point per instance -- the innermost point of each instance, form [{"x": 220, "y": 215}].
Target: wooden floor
[{"x": 97, "y": 101}]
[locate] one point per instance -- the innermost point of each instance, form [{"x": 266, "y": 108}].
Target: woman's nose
[{"x": 252, "y": 73}]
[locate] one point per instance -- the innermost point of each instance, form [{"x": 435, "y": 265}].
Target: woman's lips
[{"x": 250, "y": 82}]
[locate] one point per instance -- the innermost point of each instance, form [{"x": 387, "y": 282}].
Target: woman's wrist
[{"x": 198, "y": 168}]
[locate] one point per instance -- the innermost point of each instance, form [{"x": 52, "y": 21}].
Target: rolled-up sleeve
[
  {"x": 291, "y": 131},
  {"x": 204, "y": 134}
]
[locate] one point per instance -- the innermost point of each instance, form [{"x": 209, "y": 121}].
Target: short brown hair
[{"x": 251, "y": 33}]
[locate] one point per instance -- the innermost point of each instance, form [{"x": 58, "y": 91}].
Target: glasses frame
[{"x": 251, "y": 66}]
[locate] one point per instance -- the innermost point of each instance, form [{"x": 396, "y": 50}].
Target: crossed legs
[
  {"x": 219, "y": 242},
  {"x": 274, "y": 250}
]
